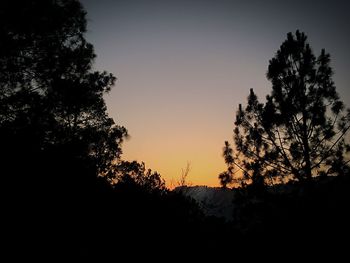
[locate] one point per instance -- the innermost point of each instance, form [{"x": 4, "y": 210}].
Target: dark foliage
[
  {"x": 291, "y": 160},
  {"x": 297, "y": 219},
  {"x": 300, "y": 131},
  {"x": 53, "y": 114},
  {"x": 55, "y": 134},
  {"x": 66, "y": 193}
]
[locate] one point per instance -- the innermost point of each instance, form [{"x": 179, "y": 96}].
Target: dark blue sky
[{"x": 183, "y": 67}]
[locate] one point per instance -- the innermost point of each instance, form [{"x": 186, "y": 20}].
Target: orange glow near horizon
[{"x": 169, "y": 153}]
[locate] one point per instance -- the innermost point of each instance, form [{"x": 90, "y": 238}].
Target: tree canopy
[
  {"x": 53, "y": 116},
  {"x": 300, "y": 130}
]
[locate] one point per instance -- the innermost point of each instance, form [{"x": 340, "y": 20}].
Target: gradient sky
[{"x": 184, "y": 66}]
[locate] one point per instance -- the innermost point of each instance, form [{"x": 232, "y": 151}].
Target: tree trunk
[{"x": 307, "y": 167}]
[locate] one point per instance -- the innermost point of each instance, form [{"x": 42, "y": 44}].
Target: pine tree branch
[
  {"x": 324, "y": 137},
  {"x": 295, "y": 125},
  {"x": 326, "y": 154},
  {"x": 283, "y": 152}
]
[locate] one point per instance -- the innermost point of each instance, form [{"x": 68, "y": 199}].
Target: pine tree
[
  {"x": 53, "y": 118},
  {"x": 300, "y": 130}
]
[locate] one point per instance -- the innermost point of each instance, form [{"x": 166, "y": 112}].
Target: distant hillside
[
  {"x": 324, "y": 193},
  {"x": 214, "y": 201}
]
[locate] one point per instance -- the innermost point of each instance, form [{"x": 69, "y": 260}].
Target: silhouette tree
[
  {"x": 300, "y": 131},
  {"x": 53, "y": 117},
  {"x": 227, "y": 177},
  {"x": 58, "y": 146},
  {"x": 135, "y": 175}
]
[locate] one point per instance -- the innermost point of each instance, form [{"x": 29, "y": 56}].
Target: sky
[{"x": 183, "y": 66}]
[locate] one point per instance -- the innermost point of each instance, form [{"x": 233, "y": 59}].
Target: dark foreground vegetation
[
  {"x": 127, "y": 221},
  {"x": 66, "y": 193}
]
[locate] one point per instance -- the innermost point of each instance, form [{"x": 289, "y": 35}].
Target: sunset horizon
[
  {"x": 183, "y": 67},
  {"x": 133, "y": 129}
]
